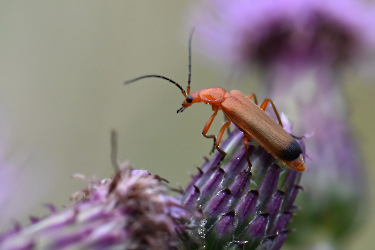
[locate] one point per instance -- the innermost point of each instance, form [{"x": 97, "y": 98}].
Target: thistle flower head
[
  {"x": 130, "y": 211},
  {"x": 243, "y": 208}
]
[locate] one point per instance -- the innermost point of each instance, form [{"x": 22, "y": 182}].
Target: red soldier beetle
[{"x": 249, "y": 118}]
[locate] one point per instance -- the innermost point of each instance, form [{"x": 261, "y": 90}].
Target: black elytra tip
[{"x": 292, "y": 152}]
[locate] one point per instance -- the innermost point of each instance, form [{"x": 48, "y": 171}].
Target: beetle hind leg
[
  {"x": 211, "y": 137},
  {"x": 246, "y": 141},
  {"x": 213, "y": 147},
  {"x": 253, "y": 96},
  {"x": 263, "y": 106},
  {"x": 225, "y": 121}
]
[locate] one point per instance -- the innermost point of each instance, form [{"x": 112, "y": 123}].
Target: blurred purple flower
[
  {"x": 335, "y": 181},
  {"x": 296, "y": 32},
  {"x": 131, "y": 211}
]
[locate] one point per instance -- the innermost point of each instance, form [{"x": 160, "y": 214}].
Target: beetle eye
[{"x": 189, "y": 99}]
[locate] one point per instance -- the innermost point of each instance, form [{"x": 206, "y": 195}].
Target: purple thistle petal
[
  {"x": 217, "y": 205},
  {"x": 269, "y": 184},
  {"x": 289, "y": 181},
  {"x": 273, "y": 242},
  {"x": 233, "y": 141},
  {"x": 281, "y": 222},
  {"x": 194, "y": 180},
  {"x": 261, "y": 165},
  {"x": 221, "y": 232},
  {"x": 191, "y": 199},
  {"x": 212, "y": 186},
  {"x": 212, "y": 165},
  {"x": 288, "y": 201},
  {"x": 238, "y": 163},
  {"x": 273, "y": 207},
  {"x": 256, "y": 230},
  {"x": 245, "y": 210},
  {"x": 240, "y": 186},
  {"x": 279, "y": 241}
]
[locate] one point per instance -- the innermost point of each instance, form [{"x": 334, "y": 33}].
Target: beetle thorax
[{"x": 212, "y": 95}]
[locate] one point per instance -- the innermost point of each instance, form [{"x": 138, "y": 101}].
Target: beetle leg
[
  {"x": 208, "y": 125},
  {"x": 255, "y": 98},
  {"x": 246, "y": 141},
  {"x": 225, "y": 121},
  {"x": 220, "y": 135},
  {"x": 264, "y": 106}
]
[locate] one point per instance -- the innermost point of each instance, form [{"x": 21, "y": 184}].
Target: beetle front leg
[
  {"x": 220, "y": 135},
  {"x": 264, "y": 106},
  {"x": 208, "y": 125}
]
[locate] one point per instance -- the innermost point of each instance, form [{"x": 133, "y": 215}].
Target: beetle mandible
[{"x": 249, "y": 118}]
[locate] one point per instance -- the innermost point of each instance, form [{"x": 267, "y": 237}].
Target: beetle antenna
[
  {"x": 189, "y": 76},
  {"x": 163, "y": 77}
]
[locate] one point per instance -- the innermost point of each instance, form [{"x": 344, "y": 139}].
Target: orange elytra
[{"x": 249, "y": 118}]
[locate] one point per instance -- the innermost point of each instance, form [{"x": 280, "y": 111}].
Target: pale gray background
[{"x": 62, "y": 65}]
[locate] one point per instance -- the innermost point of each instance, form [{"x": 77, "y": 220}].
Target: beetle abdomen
[{"x": 256, "y": 124}]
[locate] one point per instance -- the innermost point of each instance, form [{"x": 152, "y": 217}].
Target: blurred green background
[{"x": 62, "y": 68}]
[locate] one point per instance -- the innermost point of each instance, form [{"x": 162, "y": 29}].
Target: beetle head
[{"x": 189, "y": 100}]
